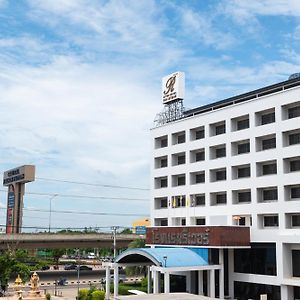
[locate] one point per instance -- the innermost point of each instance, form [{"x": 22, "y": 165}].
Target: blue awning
[{"x": 166, "y": 257}]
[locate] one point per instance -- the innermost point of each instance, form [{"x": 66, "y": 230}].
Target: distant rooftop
[{"x": 271, "y": 89}]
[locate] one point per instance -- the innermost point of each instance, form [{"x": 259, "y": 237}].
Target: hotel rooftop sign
[
  {"x": 173, "y": 87},
  {"x": 199, "y": 236}
]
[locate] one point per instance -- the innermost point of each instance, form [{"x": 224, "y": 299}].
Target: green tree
[
  {"x": 126, "y": 231},
  {"x": 57, "y": 254},
  {"x": 10, "y": 266}
]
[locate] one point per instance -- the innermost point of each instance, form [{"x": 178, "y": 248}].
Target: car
[
  {"x": 44, "y": 268},
  {"x": 84, "y": 268},
  {"x": 70, "y": 267}
]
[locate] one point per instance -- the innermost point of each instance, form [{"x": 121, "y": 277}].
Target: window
[
  {"x": 197, "y": 133},
  {"x": 296, "y": 263},
  {"x": 197, "y": 200},
  {"x": 295, "y": 220},
  {"x": 269, "y": 143},
  {"x": 164, "y": 163},
  {"x": 161, "y": 162},
  {"x": 221, "y": 175},
  {"x": 295, "y": 192},
  {"x": 241, "y": 171},
  {"x": 161, "y": 142},
  {"x": 243, "y": 148},
  {"x": 178, "y": 180},
  {"x": 295, "y": 165},
  {"x": 269, "y": 194},
  {"x": 217, "y": 128},
  {"x": 181, "y": 180},
  {"x": 221, "y": 198},
  {"x": 199, "y": 178},
  {"x": 242, "y": 124},
  {"x": 259, "y": 259},
  {"x": 220, "y": 152},
  {"x": 268, "y": 169},
  {"x": 200, "y": 221},
  {"x": 244, "y": 197},
  {"x": 220, "y": 129},
  {"x": 161, "y": 182},
  {"x": 271, "y": 221},
  {"x": 200, "y": 156},
  {"x": 197, "y": 155},
  {"x": 164, "y": 182},
  {"x": 178, "y": 201},
  {"x": 268, "y": 118},
  {"x": 178, "y": 159},
  {"x": 294, "y": 112},
  {"x": 161, "y": 222},
  {"x": 178, "y": 137},
  {"x": 161, "y": 202},
  {"x": 294, "y": 138}
]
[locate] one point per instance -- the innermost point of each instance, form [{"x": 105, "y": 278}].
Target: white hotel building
[{"x": 236, "y": 163}]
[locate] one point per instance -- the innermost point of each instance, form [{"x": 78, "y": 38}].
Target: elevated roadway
[{"x": 53, "y": 240}]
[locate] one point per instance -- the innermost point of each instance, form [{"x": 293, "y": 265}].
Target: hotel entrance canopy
[{"x": 164, "y": 257}]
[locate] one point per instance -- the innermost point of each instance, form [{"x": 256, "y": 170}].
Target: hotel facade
[{"x": 226, "y": 178}]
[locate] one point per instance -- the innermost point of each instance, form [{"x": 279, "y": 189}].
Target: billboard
[
  {"x": 21, "y": 174},
  {"x": 173, "y": 87}
]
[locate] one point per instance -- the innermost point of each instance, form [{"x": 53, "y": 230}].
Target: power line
[
  {"x": 84, "y": 197},
  {"x": 83, "y": 212},
  {"x": 93, "y": 184},
  {"x": 70, "y": 228}
]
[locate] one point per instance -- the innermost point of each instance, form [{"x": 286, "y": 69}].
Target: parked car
[
  {"x": 70, "y": 267},
  {"x": 44, "y": 268},
  {"x": 84, "y": 268}
]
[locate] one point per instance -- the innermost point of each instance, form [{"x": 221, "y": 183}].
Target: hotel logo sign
[
  {"x": 199, "y": 236},
  {"x": 173, "y": 87}
]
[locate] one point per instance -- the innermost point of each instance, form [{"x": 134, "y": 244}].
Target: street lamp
[{"x": 50, "y": 210}]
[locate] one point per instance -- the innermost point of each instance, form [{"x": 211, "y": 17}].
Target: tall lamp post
[
  {"x": 50, "y": 210},
  {"x": 114, "y": 229}
]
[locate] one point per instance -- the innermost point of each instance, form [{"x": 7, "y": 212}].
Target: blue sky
[{"x": 80, "y": 87}]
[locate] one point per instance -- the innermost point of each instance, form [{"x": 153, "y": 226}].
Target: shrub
[
  {"x": 144, "y": 282},
  {"x": 98, "y": 295},
  {"x": 48, "y": 296},
  {"x": 83, "y": 294}
]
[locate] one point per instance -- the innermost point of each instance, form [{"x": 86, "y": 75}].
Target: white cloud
[
  {"x": 199, "y": 27},
  {"x": 246, "y": 10}
]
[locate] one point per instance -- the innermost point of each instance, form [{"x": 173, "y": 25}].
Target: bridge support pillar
[{"x": 107, "y": 283}]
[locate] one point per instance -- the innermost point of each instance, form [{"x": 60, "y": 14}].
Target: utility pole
[
  {"x": 50, "y": 210},
  {"x": 114, "y": 231},
  {"x": 78, "y": 272}
]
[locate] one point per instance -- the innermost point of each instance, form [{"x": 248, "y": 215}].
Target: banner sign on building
[
  {"x": 173, "y": 87},
  {"x": 205, "y": 236}
]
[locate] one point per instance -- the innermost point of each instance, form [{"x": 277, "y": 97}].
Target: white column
[
  {"x": 116, "y": 281},
  {"x": 107, "y": 283},
  {"x": 167, "y": 282},
  {"x": 200, "y": 282},
  {"x": 188, "y": 282},
  {"x": 221, "y": 274},
  {"x": 149, "y": 280},
  {"x": 155, "y": 282},
  {"x": 212, "y": 283}
]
